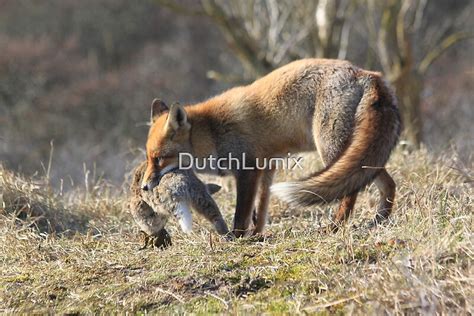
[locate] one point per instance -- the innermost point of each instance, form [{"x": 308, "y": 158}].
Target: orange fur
[{"x": 348, "y": 114}]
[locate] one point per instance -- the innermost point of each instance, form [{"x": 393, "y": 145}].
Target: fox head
[{"x": 168, "y": 136}]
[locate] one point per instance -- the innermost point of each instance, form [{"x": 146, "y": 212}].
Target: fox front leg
[{"x": 247, "y": 185}]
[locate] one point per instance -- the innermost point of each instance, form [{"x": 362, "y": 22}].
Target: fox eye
[{"x": 157, "y": 160}]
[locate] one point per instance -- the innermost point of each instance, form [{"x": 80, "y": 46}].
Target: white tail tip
[{"x": 285, "y": 191}]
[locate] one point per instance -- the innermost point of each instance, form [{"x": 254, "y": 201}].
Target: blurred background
[{"x": 77, "y": 77}]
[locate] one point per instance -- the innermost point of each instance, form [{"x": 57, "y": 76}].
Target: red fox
[{"x": 349, "y": 115}]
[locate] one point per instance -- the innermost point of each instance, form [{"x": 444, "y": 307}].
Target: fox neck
[{"x": 201, "y": 117}]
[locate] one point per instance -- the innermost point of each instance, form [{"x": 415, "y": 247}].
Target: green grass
[{"x": 79, "y": 253}]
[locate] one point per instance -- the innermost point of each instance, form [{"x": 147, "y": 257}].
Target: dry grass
[{"x": 420, "y": 262}]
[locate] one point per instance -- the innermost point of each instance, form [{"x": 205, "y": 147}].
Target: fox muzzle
[
  {"x": 149, "y": 185},
  {"x": 155, "y": 177}
]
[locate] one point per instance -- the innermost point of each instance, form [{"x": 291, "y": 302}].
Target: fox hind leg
[
  {"x": 329, "y": 151},
  {"x": 386, "y": 187},
  {"x": 344, "y": 212}
]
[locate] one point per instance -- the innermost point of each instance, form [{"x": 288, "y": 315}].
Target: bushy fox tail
[{"x": 376, "y": 131}]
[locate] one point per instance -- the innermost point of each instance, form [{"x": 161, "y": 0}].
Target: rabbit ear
[
  {"x": 213, "y": 188},
  {"x": 158, "y": 107}
]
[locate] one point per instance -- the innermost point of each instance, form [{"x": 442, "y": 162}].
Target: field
[{"x": 420, "y": 262}]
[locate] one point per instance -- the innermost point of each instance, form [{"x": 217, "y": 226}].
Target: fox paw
[
  {"x": 378, "y": 221},
  {"x": 228, "y": 237},
  {"x": 261, "y": 237}
]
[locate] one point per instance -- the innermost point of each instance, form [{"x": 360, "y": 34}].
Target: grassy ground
[{"x": 421, "y": 262}]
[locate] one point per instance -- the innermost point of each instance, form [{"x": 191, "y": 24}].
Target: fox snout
[
  {"x": 149, "y": 185},
  {"x": 151, "y": 178}
]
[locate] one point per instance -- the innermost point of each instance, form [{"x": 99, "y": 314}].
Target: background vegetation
[
  {"x": 76, "y": 82},
  {"x": 82, "y": 74}
]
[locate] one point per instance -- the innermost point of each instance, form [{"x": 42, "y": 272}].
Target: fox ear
[
  {"x": 213, "y": 188},
  {"x": 178, "y": 118},
  {"x": 158, "y": 107}
]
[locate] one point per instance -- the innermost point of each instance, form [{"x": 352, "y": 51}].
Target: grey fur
[{"x": 151, "y": 209}]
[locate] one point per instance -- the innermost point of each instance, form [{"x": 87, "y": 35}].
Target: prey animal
[{"x": 177, "y": 192}]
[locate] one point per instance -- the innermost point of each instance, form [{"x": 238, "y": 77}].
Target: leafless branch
[
  {"x": 420, "y": 11},
  {"x": 401, "y": 29},
  {"x": 445, "y": 44},
  {"x": 382, "y": 40},
  {"x": 245, "y": 48}
]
